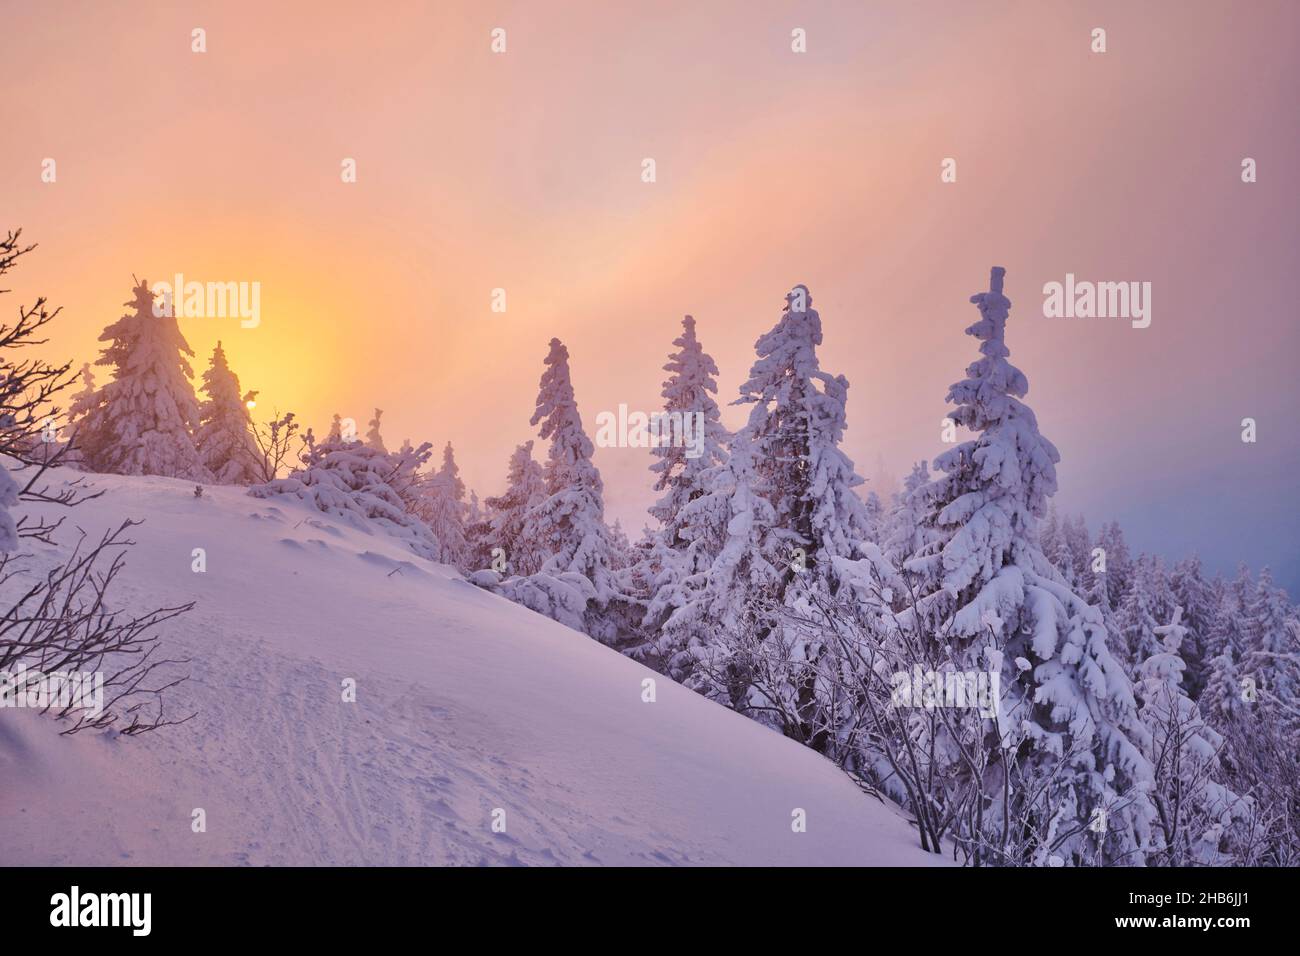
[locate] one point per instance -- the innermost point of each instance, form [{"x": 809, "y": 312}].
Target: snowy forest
[{"x": 1024, "y": 687}]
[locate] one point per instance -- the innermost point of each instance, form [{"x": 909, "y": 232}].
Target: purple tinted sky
[{"x": 522, "y": 171}]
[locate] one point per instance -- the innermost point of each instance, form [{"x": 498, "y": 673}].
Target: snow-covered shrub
[
  {"x": 562, "y": 597},
  {"x": 351, "y": 480},
  {"x": 62, "y": 622}
]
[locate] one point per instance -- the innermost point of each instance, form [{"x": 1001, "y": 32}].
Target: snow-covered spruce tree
[
  {"x": 1212, "y": 630},
  {"x": 569, "y": 524},
  {"x": 1247, "y": 700},
  {"x": 874, "y": 509},
  {"x": 84, "y": 400},
  {"x": 1098, "y": 594},
  {"x": 79, "y": 405},
  {"x": 1051, "y": 539},
  {"x": 1200, "y": 821},
  {"x": 507, "y": 513},
  {"x": 686, "y": 592},
  {"x": 905, "y": 533},
  {"x": 620, "y": 548},
  {"x": 1258, "y": 758},
  {"x": 575, "y": 583},
  {"x": 1147, "y": 603},
  {"x": 1119, "y": 563},
  {"x": 1236, "y": 628},
  {"x": 689, "y": 395},
  {"x": 407, "y": 461},
  {"x": 373, "y": 438},
  {"x": 1224, "y": 700},
  {"x": 143, "y": 421},
  {"x": 1065, "y": 542},
  {"x": 352, "y": 481},
  {"x": 1274, "y": 656},
  {"x": 1197, "y": 598},
  {"x": 796, "y": 423},
  {"x": 678, "y": 550},
  {"x": 636, "y": 581},
  {"x": 1068, "y": 743},
  {"x": 1078, "y": 545},
  {"x": 711, "y": 634},
  {"x": 443, "y": 508},
  {"x": 225, "y": 434},
  {"x": 478, "y": 535}
]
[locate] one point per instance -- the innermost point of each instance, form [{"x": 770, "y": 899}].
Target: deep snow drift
[{"x": 465, "y": 703}]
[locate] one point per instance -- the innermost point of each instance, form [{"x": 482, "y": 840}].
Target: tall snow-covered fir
[
  {"x": 142, "y": 422},
  {"x": 444, "y": 509},
  {"x": 84, "y": 400},
  {"x": 373, "y": 438},
  {"x": 508, "y": 512},
  {"x": 683, "y": 547},
  {"x": 713, "y": 613},
  {"x": 991, "y": 597},
  {"x": 796, "y": 422},
  {"x": 905, "y": 531},
  {"x": 1141, "y": 610},
  {"x": 688, "y": 392},
  {"x": 224, "y": 438},
  {"x": 1275, "y": 648},
  {"x": 780, "y": 510},
  {"x": 569, "y": 523}
]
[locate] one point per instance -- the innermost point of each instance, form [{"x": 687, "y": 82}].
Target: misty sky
[{"x": 522, "y": 171}]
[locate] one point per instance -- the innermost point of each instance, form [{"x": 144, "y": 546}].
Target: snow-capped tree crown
[
  {"x": 994, "y": 487},
  {"x": 570, "y": 523},
  {"x": 143, "y": 420},
  {"x": 443, "y": 507},
  {"x": 796, "y": 423},
  {"x": 224, "y": 438},
  {"x": 508, "y": 512},
  {"x": 689, "y": 391}
]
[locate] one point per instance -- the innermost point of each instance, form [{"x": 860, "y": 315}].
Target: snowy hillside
[{"x": 465, "y": 703}]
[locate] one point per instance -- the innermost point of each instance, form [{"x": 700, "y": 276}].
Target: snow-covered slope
[{"x": 465, "y": 703}]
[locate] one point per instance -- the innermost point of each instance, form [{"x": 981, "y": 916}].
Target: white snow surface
[{"x": 465, "y": 703}]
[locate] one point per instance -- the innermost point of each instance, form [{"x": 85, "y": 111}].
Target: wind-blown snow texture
[{"x": 465, "y": 702}]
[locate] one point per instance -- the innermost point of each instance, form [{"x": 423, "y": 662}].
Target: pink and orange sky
[{"x": 522, "y": 171}]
